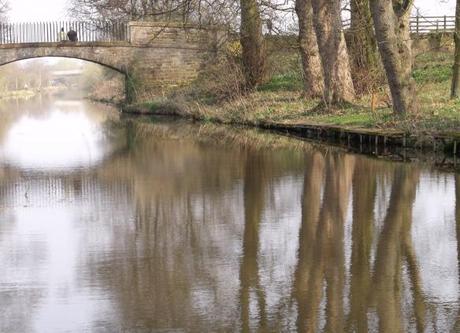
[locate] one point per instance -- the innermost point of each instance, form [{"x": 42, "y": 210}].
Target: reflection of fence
[
  {"x": 48, "y": 32},
  {"x": 424, "y": 24}
]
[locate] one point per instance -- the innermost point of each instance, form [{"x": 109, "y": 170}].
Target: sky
[
  {"x": 435, "y": 7},
  {"x": 51, "y": 10},
  {"x": 37, "y": 10}
]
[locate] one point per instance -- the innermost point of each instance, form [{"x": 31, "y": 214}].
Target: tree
[
  {"x": 308, "y": 45},
  {"x": 363, "y": 47},
  {"x": 222, "y": 12},
  {"x": 123, "y": 10},
  {"x": 455, "y": 92},
  {"x": 392, "y": 30},
  {"x": 252, "y": 42},
  {"x": 4, "y": 8},
  {"x": 338, "y": 85},
  {"x": 196, "y": 11}
]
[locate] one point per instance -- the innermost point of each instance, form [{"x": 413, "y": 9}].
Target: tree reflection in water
[{"x": 206, "y": 228}]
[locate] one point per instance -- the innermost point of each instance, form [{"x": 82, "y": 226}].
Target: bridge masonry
[{"x": 156, "y": 58}]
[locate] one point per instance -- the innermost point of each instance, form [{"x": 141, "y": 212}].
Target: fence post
[
  {"x": 416, "y": 23},
  {"x": 445, "y": 23}
]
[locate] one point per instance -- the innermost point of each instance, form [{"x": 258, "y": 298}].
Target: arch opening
[{"x": 62, "y": 76}]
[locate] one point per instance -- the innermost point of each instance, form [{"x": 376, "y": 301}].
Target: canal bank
[
  {"x": 436, "y": 147},
  {"x": 367, "y": 125}
]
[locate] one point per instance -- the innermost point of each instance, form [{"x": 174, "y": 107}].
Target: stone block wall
[{"x": 167, "y": 56}]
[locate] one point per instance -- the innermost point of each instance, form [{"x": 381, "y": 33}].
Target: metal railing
[
  {"x": 423, "y": 24},
  {"x": 49, "y": 32}
]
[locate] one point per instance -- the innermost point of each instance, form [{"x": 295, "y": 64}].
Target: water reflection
[
  {"x": 54, "y": 134},
  {"x": 202, "y": 228}
]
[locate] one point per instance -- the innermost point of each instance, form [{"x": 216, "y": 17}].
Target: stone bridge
[{"x": 155, "y": 58}]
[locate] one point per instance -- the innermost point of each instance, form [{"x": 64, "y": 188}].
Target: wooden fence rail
[
  {"x": 49, "y": 32},
  {"x": 424, "y": 24}
]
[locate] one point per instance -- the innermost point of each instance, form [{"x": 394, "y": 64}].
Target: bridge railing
[
  {"x": 48, "y": 32},
  {"x": 423, "y": 24}
]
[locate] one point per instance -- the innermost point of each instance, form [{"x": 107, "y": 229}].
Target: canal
[{"x": 119, "y": 224}]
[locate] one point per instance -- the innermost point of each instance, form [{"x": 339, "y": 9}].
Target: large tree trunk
[
  {"x": 392, "y": 30},
  {"x": 252, "y": 42},
  {"x": 338, "y": 85},
  {"x": 311, "y": 61},
  {"x": 363, "y": 48},
  {"x": 455, "y": 93}
]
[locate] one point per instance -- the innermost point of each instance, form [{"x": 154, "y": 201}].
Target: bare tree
[
  {"x": 338, "y": 85},
  {"x": 308, "y": 45},
  {"x": 455, "y": 92},
  {"x": 4, "y": 8},
  {"x": 197, "y": 11},
  {"x": 392, "y": 29},
  {"x": 122, "y": 9}
]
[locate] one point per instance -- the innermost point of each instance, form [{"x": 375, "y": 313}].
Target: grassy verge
[{"x": 280, "y": 101}]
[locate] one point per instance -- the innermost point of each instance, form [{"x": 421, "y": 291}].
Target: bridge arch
[
  {"x": 98, "y": 55},
  {"x": 155, "y": 58}
]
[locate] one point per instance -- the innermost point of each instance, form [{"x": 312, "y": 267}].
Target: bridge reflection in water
[{"x": 204, "y": 228}]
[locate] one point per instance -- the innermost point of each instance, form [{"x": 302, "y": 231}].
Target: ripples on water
[{"x": 122, "y": 225}]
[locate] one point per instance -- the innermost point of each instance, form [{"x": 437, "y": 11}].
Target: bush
[{"x": 222, "y": 79}]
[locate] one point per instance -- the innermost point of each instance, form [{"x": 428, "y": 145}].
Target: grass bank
[{"x": 279, "y": 104}]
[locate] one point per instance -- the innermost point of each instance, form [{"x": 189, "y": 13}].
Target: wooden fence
[
  {"x": 429, "y": 24},
  {"x": 48, "y": 32},
  {"x": 424, "y": 24}
]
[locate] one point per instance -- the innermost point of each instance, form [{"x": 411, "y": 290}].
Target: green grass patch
[
  {"x": 433, "y": 67},
  {"x": 434, "y": 73},
  {"x": 283, "y": 82},
  {"x": 153, "y": 106},
  {"x": 357, "y": 117}
]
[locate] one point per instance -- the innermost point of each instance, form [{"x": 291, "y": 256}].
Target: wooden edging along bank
[{"x": 441, "y": 149}]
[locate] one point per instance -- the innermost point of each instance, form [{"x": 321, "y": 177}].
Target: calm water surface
[{"x": 148, "y": 225}]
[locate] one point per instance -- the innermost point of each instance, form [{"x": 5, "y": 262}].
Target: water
[{"x": 113, "y": 224}]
